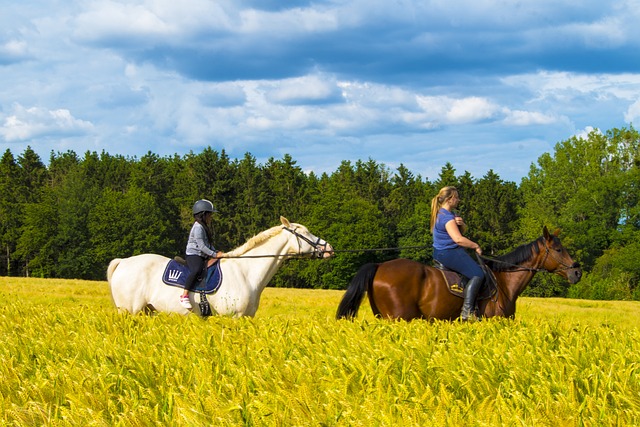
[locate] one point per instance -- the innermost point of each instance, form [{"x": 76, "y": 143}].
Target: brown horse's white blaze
[{"x": 406, "y": 289}]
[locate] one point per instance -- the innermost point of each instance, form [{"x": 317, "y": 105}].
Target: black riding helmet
[{"x": 203, "y": 206}]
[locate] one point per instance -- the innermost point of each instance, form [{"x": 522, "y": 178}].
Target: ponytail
[{"x": 444, "y": 194}]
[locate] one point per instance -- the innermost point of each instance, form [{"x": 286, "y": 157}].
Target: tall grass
[{"x": 69, "y": 359}]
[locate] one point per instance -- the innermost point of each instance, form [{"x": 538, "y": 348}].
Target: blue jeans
[{"x": 459, "y": 261}]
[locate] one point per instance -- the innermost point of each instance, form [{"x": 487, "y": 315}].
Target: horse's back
[{"x": 132, "y": 280}]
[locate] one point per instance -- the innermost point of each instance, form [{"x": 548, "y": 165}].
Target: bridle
[
  {"x": 319, "y": 248},
  {"x": 549, "y": 253}
]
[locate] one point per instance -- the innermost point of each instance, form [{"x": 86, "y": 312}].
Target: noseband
[
  {"x": 550, "y": 253},
  {"x": 319, "y": 249}
]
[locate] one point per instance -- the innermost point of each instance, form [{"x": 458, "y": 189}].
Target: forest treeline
[{"x": 70, "y": 217}]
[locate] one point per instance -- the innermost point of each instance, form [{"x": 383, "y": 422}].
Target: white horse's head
[{"x": 307, "y": 243}]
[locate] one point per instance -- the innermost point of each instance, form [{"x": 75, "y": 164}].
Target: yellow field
[{"x": 69, "y": 359}]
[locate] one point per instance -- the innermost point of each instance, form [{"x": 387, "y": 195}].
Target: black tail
[{"x": 352, "y": 299}]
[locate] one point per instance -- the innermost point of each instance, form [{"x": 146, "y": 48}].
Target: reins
[
  {"x": 319, "y": 253},
  {"x": 322, "y": 252},
  {"x": 512, "y": 267}
]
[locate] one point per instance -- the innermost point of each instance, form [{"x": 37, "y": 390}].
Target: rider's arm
[{"x": 456, "y": 236}]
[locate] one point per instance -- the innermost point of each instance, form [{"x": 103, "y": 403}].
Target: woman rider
[{"x": 449, "y": 244}]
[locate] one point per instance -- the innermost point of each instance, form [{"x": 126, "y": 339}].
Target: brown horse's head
[{"x": 557, "y": 259}]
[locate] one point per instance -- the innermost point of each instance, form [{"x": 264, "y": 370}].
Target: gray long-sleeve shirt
[{"x": 198, "y": 243}]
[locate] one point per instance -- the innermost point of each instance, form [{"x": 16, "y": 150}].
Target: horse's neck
[
  {"x": 264, "y": 260},
  {"x": 514, "y": 281},
  {"x": 512, "y": 284}
]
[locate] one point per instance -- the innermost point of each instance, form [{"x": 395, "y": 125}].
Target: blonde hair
[{"x": 444, "y": 194}]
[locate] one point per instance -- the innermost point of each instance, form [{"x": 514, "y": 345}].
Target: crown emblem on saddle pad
[{"x": 174, "y": 275}]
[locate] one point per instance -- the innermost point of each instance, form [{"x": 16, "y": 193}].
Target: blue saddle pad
[{"x": 175, "y": 274}]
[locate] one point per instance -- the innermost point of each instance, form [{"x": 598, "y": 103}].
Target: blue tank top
[{"x": 441, "y": 238}]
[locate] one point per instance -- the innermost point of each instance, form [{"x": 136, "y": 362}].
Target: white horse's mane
[{"x": 256, "y": 240}]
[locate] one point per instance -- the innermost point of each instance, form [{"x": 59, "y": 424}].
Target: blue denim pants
[{"x": 459, "y": 261}]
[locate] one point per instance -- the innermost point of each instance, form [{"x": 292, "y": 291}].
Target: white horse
[{"x": 136, "y": 282}]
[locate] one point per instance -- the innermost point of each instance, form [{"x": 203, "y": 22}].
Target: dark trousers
[
  {"x": 459, "y": 261},
  {"x": 195, "y": 264}
]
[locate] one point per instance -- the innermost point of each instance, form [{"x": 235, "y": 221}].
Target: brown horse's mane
[
  {"x": 255, "y": 241},
  {"x": 516, "y": 257}
]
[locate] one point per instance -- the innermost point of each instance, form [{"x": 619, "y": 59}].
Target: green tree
[
  {"x": 251, "y": 200},
  {"x": 33, "y": 176},
  {"x": 492, "y": 214},
  {"x": 156, "y": 177},
  {"x": 286, "y": 188},
  {"x": 408, "y": 206},
  {"x": 123, "y": 225},
  {"x": 76, "y": 197},
  {"x": 351, "y": 223},
  {"x": 615, "y": 274},
  {"x": 10, "y": 212},
  {"x": 580, "y": 190},
  {"x": 31, "y": 186},
  {"x": 447, "y": 177}
]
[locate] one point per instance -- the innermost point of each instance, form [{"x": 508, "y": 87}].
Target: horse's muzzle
[
  {"x": 327, "y": 251},
  {"x": 574, "y": 274}
]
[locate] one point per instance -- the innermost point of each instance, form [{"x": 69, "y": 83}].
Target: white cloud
[
  {"x": 357, "y": 76},
  {"x": 28, "y": 123},
  {"x": 288, "y": 21},
  {"x": 13, "y": 49},
  {"x": 450, "y": 110},
  {"x": 584, "y": 133},
  {"x": 121, "y": 21},
  {"x": 469, "y": 110},
  {"x": 566, "y": 85},
  {"x": 633, "y": 113},
  {"x": 223, "y": 95},
  {"x": 305, "y": 90},
  {"x": 527, "y": 118}
]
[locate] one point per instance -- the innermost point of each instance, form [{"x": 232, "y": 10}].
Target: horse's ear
[
  {"x": 545, "y": 232},
  {"x": 285, "y": 222},
  {"x": 557, "y": 232}
]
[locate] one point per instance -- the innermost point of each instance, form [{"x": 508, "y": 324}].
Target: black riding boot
[{"x": 470, "y": 294}]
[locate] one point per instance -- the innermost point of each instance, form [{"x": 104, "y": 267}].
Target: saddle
[
  {"x": 457, "y": 282},
  {"x": 176, "y": 272}
]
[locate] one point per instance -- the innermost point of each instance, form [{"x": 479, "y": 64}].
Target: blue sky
[{"x": 482, "y": 84}]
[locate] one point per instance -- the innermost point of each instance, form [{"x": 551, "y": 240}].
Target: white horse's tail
[{"x": 112, "y": 267}]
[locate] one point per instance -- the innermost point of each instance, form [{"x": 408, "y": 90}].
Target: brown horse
[{"x": 406, "y": 289}]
